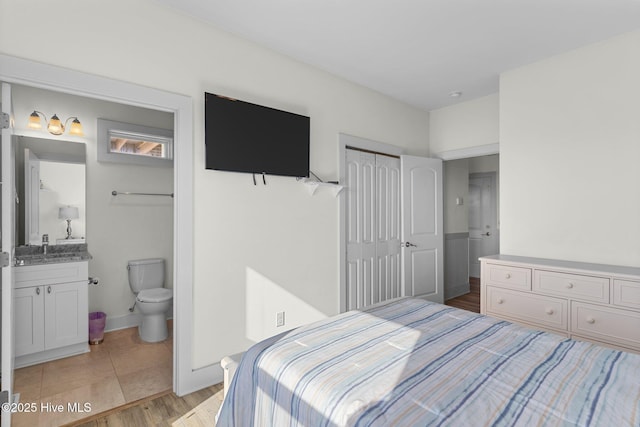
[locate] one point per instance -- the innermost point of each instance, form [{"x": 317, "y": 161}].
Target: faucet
[{"x": 45, "y": 243}]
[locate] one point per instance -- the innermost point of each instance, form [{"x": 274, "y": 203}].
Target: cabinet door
[
  {"x": 29, "y": 320},
  {"x": 66, "y": 320}
]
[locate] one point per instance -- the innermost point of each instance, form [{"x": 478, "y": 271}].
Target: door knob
[
  {"x": 407, "y": 245},
  {"x": 487, "y": 234}
]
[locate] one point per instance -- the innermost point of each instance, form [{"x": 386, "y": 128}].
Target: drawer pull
[
  {"x": 507, "y": 276},
  {"x": 591, "y": 320},
  {"x": 550, "y": 311},
  {"x": 569, "y": 285},
  {"x": 500, "y": 300}
]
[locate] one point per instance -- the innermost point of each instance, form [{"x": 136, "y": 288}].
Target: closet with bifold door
[{"x": 373, "y": 269}]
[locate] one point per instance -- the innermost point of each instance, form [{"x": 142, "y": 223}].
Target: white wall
[
  {"x": 276, "y": 232},
  {"x": 570, "y": 147},
  {"x": 117, "y": 228},
  {"x": 467, "y": 124},
  {"x": 456, "y": 185}
]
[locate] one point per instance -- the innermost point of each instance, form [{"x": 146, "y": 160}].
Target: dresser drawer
[
  {"x": 626, "y": 293},
  {"x": 577, "y": 286},
  {"x": 606, "y": 324},
  {"x": 510, "y": 277},
  {"x": 530, "y": 308}
]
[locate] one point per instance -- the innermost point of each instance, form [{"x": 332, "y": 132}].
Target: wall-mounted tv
[{"x": 245, "y": 137}]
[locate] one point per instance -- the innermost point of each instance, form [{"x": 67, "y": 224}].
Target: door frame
[
  {"x": 344, "y": 141},
  {"x": 466, "y": 153},
  {"x": 49, "y": 77},
  {"x": 7, "y": 291}
]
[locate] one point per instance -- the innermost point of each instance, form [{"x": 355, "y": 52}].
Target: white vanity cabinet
[
  {"x": 590, "y": 302},
  {"x": 51, "y": 311}
]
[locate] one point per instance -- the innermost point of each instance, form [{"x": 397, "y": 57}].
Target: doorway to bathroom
[
  {"x": 31, "y": 74},
  {"x": 117, "y": 228}
]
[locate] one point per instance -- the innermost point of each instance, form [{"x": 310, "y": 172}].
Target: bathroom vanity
[{"x": 51, "y": 306}]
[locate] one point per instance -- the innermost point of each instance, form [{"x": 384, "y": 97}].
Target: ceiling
[{"x": 419, "y": 51}]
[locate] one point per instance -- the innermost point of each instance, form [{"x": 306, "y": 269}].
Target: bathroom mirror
[{"x": 50, "y": 174}]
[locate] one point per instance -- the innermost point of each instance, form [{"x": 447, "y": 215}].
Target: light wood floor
[
  {"x": 470, "y": 301},
  {"x": 161, "y": 410},
  {"x": 121, "y": 370}
]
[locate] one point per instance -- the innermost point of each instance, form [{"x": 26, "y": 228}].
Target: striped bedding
[{"x": 415, "y": 363}]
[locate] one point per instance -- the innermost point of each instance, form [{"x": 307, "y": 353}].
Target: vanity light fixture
[
  {"x": 35, "y": 122},
  {"x": 55, "y": 126},
  {"x": 68, "y": 213}
]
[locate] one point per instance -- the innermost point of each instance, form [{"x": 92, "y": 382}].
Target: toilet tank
[{"x": 146, "y": 274}]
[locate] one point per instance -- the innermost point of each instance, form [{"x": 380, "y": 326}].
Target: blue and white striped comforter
[{"x": 415, "y": 363}]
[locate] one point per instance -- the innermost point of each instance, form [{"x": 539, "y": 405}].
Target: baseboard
[
  {"x": 456, "y": 291},
  {"x": 49, "y": 355},
  {"x": 125, "y": 321},
  {"x": 122, "y": 322}
]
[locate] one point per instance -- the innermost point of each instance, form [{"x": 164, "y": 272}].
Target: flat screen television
[{"x": 245, "y": 137}]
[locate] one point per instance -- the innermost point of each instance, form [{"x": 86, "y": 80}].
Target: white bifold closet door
[{"x": 372, "y": 228}]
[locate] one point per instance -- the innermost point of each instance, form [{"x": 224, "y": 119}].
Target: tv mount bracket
[{"x": 264, "y": 179}]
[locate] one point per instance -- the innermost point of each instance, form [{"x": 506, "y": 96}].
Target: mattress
[{"x": 410, "y": 362}]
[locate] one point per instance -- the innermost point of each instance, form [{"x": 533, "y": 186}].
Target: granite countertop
[{"x": 33, "y": 254}]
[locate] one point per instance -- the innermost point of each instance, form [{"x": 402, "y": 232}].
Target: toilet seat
[{"x": 155, "y": 295}]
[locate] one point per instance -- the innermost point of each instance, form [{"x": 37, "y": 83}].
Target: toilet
[{"x": 146, "y": 279}]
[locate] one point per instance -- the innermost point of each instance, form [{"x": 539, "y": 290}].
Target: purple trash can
[{"x": 97, "y": 320}]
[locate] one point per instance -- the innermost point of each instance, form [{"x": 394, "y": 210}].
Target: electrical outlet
[{"x": 280, "y": 318}]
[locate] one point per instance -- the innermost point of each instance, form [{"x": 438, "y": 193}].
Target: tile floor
[{"x": 122, "y": 369}]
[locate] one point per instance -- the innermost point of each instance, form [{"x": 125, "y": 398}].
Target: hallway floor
[
  {"x": 470, "y": 301},
  {"x": 121, "y": 370}
]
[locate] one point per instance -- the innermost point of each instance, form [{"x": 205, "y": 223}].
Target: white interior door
[
  {"x": 32, "y": 197},
  {"x": 483, "y": 223},
  {"x": 422, "y": 229},
  {"x": 372, "y": 184},
  {"x": 7, "y": 237},
  {"x": 360, "y": 176},
  {"x": 388, "y": 228}
]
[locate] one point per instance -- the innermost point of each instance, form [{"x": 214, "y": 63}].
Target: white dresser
[{"x": 589, "y": 302}]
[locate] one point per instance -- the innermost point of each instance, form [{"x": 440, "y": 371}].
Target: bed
[{"x": 409, "y": 362}]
